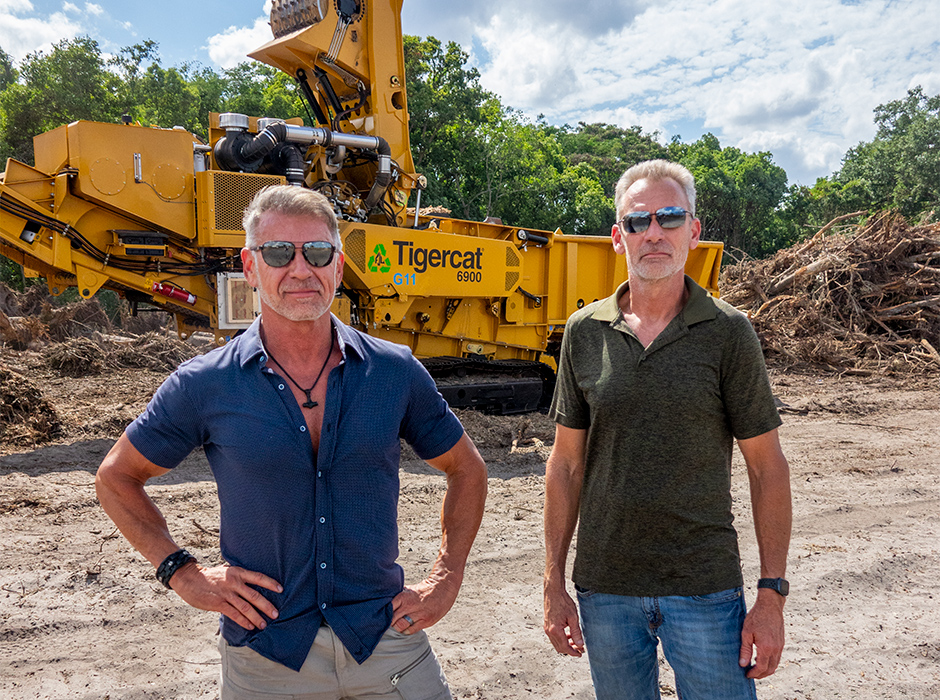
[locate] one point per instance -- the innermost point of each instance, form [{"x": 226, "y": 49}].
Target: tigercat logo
[
  {"x": 379, "y": 260},
  {"x": 423, "y": 258}
]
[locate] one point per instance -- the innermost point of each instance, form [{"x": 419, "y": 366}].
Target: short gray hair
[
  {"x": 655, "y": 170},
  {"x": 289, "y": 201}
]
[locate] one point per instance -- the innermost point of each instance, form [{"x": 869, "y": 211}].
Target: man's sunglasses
[
  {"x": 667, "y": 217},
  {"x": 280, "y": 253}
]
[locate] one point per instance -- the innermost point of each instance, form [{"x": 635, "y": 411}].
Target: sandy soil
[{"x": 81, "y": 615}]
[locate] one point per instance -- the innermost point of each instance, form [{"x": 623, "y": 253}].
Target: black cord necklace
[{"x": 309, "y": 403}]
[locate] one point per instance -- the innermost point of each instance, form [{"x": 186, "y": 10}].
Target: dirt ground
[{"x": 81, "y": 615}]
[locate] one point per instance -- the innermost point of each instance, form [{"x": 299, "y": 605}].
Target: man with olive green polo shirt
[{"x": 655, "y": 383}]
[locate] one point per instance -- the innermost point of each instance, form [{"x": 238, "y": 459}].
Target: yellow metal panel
[
  {"x": 52, "y": 150},
  {"x": 413, "y": 262},
  {"x": 142, "y": 171}
]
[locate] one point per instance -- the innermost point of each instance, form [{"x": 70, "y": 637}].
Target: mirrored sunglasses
[
  {"x": 280, "y": 253},
  {"x": 667, "y": 217}
]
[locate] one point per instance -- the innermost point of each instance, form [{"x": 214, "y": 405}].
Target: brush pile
[
  {"x": 26, "y": 418},
  {"x": 862, "y": 301}
]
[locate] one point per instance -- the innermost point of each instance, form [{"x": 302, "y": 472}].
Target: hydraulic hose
[
  {"x": 383, "y": 178},
  {"x": 239, "y": 150}
]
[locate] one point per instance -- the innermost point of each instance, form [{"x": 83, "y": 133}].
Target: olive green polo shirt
[{"x": 655, "y": 515}]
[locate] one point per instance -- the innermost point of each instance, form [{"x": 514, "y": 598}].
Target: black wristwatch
[
  {"x": 172, "y": 564},
  {"x": 781, "y": 585}
]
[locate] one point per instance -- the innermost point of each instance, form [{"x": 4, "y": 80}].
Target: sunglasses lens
[
  {"x": 671, "y": 217},
  {"x": 277, "y": 253},
  {"x": 318, "y": 253},
  {"x": 638, "y": 221}
]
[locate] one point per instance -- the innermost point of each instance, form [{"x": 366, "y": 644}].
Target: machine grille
[
  {"x": 511, "y": 278},
  {"x": 512, "y": 260},
  {"x": 355, "y": 248},
  {"x": 232, "y": 193}
]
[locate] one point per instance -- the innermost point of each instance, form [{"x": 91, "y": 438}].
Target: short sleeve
[
  {"x": 745, "y": 386},
  {"x": 429, "y": 426},
  {"x": 569, "y": 407},
  {"x": 169, "y": 428}
]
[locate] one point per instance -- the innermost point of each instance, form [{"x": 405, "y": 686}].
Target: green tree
[
  {"x": 899, "y": 167},
  {"x": 7, "y": 70},
  {"x": 70, "y": 82},
  {"x": 737, "y": 194},
  {"x": 129, "y": 65},
  {"x": 452, "y": 119},
  {"x": 259, "y": 90},
  {"x": 805, "y": 210},
  {"x": 608, "y": 149},
  {"x": 483, "y": 159}
]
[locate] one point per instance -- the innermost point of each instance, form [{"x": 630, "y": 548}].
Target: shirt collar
[
  {"x": 700, "y": 306},
  {"x": 250, "y": 347}
]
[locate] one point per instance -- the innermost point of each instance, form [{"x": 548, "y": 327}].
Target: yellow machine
[{"x": 155, "y": 214}]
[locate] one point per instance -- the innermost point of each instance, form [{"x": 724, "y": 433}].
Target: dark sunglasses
[
  {"x": 667, "y": 217},
  {"x": 280, "y": 253}
]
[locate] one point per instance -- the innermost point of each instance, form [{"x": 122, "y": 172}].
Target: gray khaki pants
[{"x": 402, "y": 667}]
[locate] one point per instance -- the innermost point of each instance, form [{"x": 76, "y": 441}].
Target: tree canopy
[{"x": 483, "y": 158}]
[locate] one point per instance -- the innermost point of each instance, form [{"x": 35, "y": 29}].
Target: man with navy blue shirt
[{"x": 301, "y": 419}]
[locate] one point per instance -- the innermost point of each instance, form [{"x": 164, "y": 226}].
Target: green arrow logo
[{"x": 378, "y": 261}]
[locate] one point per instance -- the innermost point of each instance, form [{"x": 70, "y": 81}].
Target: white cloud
[
  {"x": 69, "y": 7},
  {"x": 93, "y": 9},
  {"x": 232, "y": 46},
  {"x": 21, "y": 34},
  {"x": 229, "y": 48},
  {"x": 761, "y": 76},
  {"x": 21, "y": 6}
]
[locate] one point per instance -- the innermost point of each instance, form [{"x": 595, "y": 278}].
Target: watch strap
[
  {"x": 781, "y": 585},
  {"x": 172, "y": 564}
]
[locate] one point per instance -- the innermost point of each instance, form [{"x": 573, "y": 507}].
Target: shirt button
[
  {"x": 303, "y": 428},
  {"x": 322, "y": 520},
  {"x": 322, "y": 564},
  {"x": 319, "y": 474},
  {"x": 322, "y": 606},
  {"x": 281, "y": 387}
]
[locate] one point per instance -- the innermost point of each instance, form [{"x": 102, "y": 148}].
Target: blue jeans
[{"x": 701, "y": 638}]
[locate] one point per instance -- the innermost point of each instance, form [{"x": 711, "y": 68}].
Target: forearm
[
  {"x": 461, "y": 515},
  {"x": 119, "y": 484},
  {"x": 773, "y": 520},
  {"x": 138, "y": 519},
  {"x": 562, "y": 501},
  {"x": 769, "y": 477}
]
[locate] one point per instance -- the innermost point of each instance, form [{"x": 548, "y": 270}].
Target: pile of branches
[
  {"x": 33, "y": 318},
  {"x": 26, "y": 418},
  {"x": 861, "y": 301},
  {"x": 84, "y": 356}
]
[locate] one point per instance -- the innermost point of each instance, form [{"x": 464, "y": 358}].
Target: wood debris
[{"x": 861, "y": 301}]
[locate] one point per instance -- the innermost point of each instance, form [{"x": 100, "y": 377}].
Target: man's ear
[
  {"x": 339, "y": 269},
  {"x": 616, "y": 239},
  {"x": 696, "y": 234},
  {"x": 248, "y": 267}
]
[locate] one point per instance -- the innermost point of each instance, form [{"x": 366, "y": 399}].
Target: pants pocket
[{"x": 421, "y": 679}]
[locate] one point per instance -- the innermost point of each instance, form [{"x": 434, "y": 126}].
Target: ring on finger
[{"x": 407, "y": 618}]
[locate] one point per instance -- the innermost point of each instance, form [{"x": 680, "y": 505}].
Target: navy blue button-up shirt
[{"x": 323, "y": 525}]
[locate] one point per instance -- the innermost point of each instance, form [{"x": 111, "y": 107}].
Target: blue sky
[{"x": 798, "y": 79}]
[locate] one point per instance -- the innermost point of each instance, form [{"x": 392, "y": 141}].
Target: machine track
[{"x": 501, "y": 387}]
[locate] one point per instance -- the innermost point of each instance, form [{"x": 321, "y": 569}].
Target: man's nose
[
  {"x": 655, "y": 231},
  {"x": 299, "y": 267}
]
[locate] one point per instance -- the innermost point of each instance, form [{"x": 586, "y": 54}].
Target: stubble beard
[
  {"x": 654, "y": 270},
  {"x": 298, "y": 310}
]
